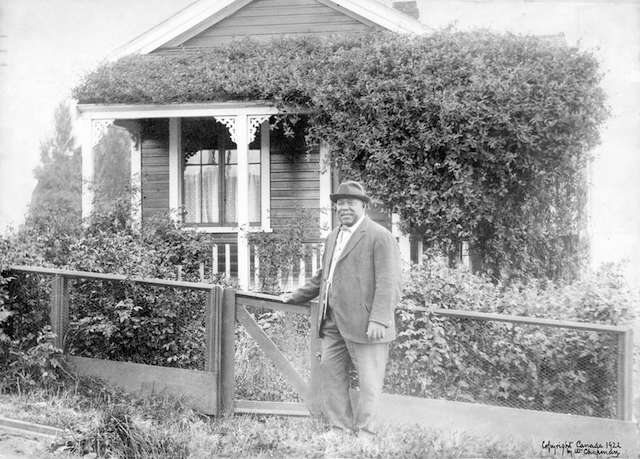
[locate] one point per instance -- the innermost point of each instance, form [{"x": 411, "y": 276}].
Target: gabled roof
[{"x": 203, "y": 14}]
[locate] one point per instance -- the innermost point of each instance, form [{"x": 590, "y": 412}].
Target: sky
[
  {"x": 49, "y": 45},
  {"x": 46, "y": 46}
]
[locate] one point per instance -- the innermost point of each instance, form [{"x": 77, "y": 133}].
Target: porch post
[
  {"x": 86, "y": 142},
  {"x": 265, "y": 174},
  {"x": 91, "y": 131},
  {"x": 242, "y": 205},
  {"x": 325, "y": 190},
  {"x": 174, "y": 167},
  {"x": 136, "y": 177},
  {"x": 403, "y": 239}
]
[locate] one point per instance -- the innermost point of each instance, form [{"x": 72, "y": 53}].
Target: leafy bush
[
  {"x": 515, "y": 365},
  {"x": 27, "y": 357},
  {"x": 279, "y": 251},
  {"x": 467, "y": 135},
  {"x": 117, "y": 320}
]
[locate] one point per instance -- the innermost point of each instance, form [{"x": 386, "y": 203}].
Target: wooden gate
[
  {"x": 308, "y": 390},
  {"x": 210, "y": 391}
]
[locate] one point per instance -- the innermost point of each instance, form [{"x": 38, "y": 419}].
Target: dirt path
[{"x": 15, "y": 445}]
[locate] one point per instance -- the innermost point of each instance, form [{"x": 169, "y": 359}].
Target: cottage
[{"x": 219, "y": 162}]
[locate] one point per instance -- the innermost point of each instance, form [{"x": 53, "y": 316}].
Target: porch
[
  {"x": 227, "y": 169},
  {"x": 217, "y": 168}
]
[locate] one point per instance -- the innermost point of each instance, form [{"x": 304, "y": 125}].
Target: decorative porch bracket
[{"x": 255, "y": 121}]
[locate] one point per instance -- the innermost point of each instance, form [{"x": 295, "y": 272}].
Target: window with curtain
[{"x": 210, "y": 175}]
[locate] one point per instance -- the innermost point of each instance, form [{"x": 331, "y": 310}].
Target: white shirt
[{"x": 343, "y": 237}]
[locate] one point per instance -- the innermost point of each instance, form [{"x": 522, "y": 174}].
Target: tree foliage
[
  {"x": 55, "y": 210},
  {"x": 468, "y": 136}
]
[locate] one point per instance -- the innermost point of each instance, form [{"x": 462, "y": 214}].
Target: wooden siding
[
  {"x": 155, "y": 167},
  {"x": 295, "y": 184},
  {"x": 267, "y": 19}
]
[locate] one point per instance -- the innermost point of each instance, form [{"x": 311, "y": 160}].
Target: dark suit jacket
[{"x": 366, "y": 282}]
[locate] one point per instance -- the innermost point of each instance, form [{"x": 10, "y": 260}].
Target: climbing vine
[{"x": 469, "y": 136}]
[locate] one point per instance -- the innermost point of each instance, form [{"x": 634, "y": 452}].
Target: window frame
[{"x": 263, "y": 134}]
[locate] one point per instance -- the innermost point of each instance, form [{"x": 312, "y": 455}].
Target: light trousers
[{"x": 337, "y": 358}]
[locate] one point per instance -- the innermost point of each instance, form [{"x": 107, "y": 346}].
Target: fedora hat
[{"x": 350, "y": 190}]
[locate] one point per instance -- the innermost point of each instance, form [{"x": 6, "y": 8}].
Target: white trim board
[{"x": 130, "y": 111}]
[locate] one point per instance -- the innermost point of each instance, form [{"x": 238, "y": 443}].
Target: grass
[{"x": 109, "y": 423}]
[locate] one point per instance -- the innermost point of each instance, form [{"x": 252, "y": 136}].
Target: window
[{"x": 210, "y": 175}]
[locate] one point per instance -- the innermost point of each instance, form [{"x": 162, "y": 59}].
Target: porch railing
[{"x": 224, "y": 263}]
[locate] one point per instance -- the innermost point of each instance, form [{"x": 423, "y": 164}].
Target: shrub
[
  {"x": 515, "y": 365},
  {"x": 117, "y": 320},
  {"x": 466, "y": 135},
  {"x": 280, "y": 250},
  {"x": 27, "y": 357}
]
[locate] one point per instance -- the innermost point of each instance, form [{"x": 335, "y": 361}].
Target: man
[{"x": 358, "y": 287}]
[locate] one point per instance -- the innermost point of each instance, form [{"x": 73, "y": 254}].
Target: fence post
[
  {"x": 228, "y": 350},
  {"x": 313, "y": 397},
  {"x": 625, "y": 375},
  {"x": 59, "y": 314},
  {"x": 212, "y": 327}
]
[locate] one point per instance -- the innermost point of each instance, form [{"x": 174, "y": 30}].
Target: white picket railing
[{"x": 289, "y": 277}]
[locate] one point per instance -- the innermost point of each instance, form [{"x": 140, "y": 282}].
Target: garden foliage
[
  {"x": 279, "y": 251},
  {"x": 115, "y": 320},
  {"x": 467, "y": 135},
  {"x": 521, "y": 366}
]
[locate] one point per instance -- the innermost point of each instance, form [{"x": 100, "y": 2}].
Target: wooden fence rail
[{"x": 226, "y": 307}]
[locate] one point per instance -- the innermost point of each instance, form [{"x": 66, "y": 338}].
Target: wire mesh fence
[
  {"x": 518, "y": 362},
  {"x": 258, "y": 378},
  {"x": 575, "y": 368}
]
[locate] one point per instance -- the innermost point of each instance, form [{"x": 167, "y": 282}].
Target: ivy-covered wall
[{"x": 468, "y": 136}]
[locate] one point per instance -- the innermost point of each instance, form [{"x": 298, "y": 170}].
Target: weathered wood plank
[
  {"x": 295, "y": 167},
  {"x": 59, "y": 312},
  {"x": 259, "y": 300},
  {"x": 523, "y": 320},
  {"x": 294, "y": 203},
  {"x": 196, "y": 388},
  {"x": 271, "y": 351},
  {"x": 293, "y": 18},
  {"x": 227, "y": 379},
  {"x": 110, "y": 277},
  {"x": 311, "y": 185},
  {"x": 293, "y": 175},
  {"x": 625, "y": 376},
  {"x": 273, "y": 408},
  {"x": 264, "y": 10},
  {"x": 280, "y": 29},
  {"x": 278, "y": 158},
  {"x": 213, "y": 329},
  {"x": 296, "y": 193},
  {"x": 314, "y": 401},
  {"x": 276, "y": 18}
]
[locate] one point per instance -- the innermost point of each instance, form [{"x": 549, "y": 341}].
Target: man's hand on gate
[
  {"x": 286, "y": 298},
  {"x": 376, "y": 331}
]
